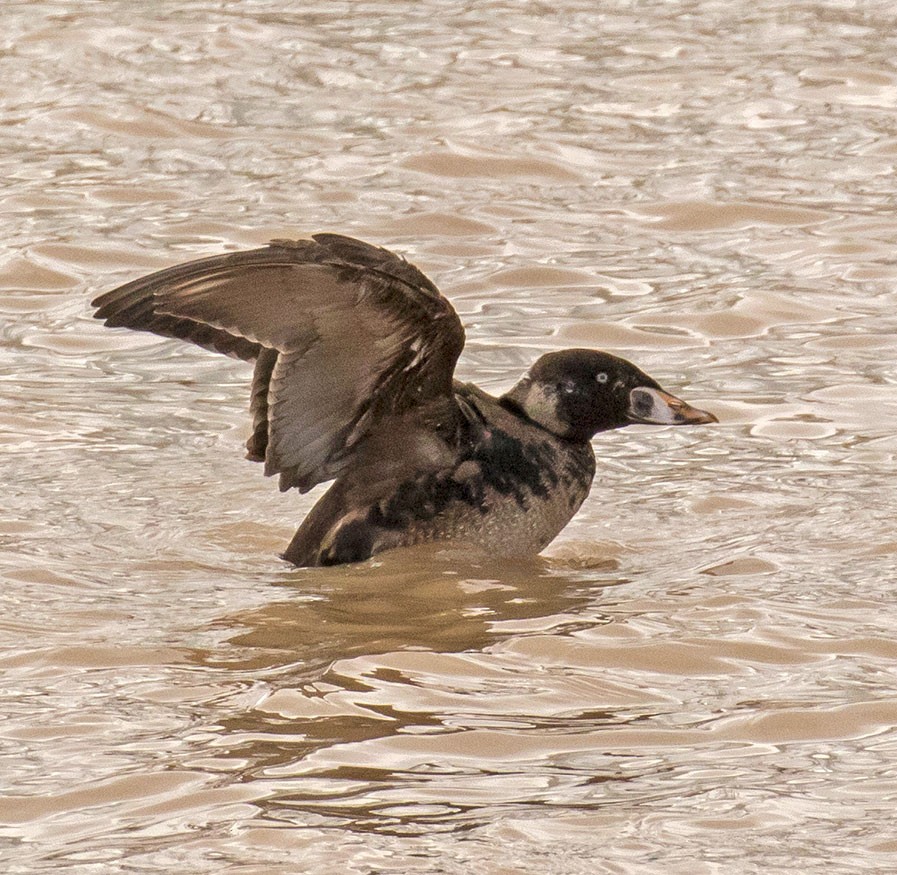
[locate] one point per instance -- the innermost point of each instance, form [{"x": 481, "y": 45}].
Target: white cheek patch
[{"x": 541, "y": 405}]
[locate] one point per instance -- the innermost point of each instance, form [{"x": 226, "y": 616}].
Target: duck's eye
[{"x": 601, "y": 376}]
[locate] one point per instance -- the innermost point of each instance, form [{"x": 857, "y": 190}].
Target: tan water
[{"x": 701, "y": 674}]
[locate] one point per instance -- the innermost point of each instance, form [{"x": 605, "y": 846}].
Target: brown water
[{"x": 701, "y": 674}]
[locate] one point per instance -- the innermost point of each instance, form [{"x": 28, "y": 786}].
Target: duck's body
[
  {"x": 354, "y": 354},
  {"x": 485, "y": 477}
]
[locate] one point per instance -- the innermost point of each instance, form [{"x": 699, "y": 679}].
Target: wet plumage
[{"x": 354, "y": 352}]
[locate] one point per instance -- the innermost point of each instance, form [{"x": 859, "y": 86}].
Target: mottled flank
[
  {"x": 500, "y": 462},
  {"x": 354, "y": 352}
]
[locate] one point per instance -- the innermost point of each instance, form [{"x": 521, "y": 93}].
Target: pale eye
[{"x": 601, "y": 376}]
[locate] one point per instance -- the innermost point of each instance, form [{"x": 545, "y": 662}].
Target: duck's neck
[{"x": 537, "y": 403}]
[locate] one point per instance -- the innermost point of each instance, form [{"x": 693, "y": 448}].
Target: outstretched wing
[{"x": 345, "y": 335}]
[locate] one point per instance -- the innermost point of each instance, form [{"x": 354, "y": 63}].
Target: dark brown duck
[{"x": 354, "y": 352}]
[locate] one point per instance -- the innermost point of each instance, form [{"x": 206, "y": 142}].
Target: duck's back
[{"x": 489, "y": 477}]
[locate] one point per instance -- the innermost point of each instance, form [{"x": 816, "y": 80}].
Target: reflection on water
[
  {"x": 430, "y": 598},
  {"x": 362, "y": 654},
  {"x": 700, "y": 674}
]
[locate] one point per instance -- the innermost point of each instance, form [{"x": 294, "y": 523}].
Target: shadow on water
[
  {"x": 425, "y": 598},
  {"x": 393, "y": 647}
]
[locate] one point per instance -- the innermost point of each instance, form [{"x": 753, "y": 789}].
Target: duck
[{"x": 354, "y": 352}]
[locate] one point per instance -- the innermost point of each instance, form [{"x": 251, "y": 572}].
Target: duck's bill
[{"x": 656, "y": 407}]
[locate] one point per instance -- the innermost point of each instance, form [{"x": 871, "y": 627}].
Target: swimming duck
[{"x": 354, "y": 352}]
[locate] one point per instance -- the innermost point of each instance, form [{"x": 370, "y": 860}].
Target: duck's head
[{"x": 575, "y": 393}]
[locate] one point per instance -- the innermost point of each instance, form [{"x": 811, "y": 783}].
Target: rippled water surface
[{"x": 699, "y": 675}]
